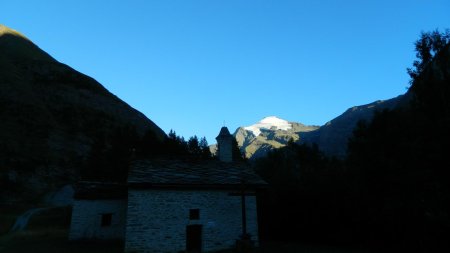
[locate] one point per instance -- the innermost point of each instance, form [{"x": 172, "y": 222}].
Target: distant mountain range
[
  {"x": 272, "y": 132},
  {"x": 51, "y": 116}
]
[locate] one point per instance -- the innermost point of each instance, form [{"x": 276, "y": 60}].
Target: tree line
[
  {"x": 109, "y": 159},
  {"x": 392, "y": 191}
]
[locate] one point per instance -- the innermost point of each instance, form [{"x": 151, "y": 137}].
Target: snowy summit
[{"x": 271, "y": 122}]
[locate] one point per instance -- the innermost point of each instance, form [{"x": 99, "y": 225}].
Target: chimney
[{"x": 225, "y": 145}]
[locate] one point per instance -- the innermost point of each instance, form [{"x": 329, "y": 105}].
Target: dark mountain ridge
[
  {"x": 332, "y": 138},
  {"x": 51, "y": 115}
]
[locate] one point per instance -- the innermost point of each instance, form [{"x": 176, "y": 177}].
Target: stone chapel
[{"x": 173, "y": 205}]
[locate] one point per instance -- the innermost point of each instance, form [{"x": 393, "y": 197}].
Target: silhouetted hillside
[
  {"x": 51, "y": 115},
  {"x": 332, "y": 138}
]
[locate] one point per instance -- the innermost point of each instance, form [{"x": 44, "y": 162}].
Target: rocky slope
[
  {"x": 332, "y": 137},
  {"x": 269, "y": 133},
  {"x": 50, "y": 116}
]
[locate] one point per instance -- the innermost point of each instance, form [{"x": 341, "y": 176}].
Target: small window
[
  {"x": 194, "y": 214},
  {"x": 106, "y": 219}
]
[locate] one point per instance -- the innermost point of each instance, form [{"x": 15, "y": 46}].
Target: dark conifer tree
[
  {"x": 175, "y": 145},
  {"x": 236, "y": 152},
  {"x": 194, "y": 146},
  {"x": 204, "y": 147},
  {"x": 400, "y": 166}
]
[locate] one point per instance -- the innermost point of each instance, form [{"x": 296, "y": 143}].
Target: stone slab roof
[{"x": 185, "y": 173}]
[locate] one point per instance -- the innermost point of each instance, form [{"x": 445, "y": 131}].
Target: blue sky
[{"x": 193, "y": 65}]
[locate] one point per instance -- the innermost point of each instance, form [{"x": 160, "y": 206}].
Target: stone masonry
[
  {"x": 157, "y": 219},
  {"x": 87, "y": 219}
]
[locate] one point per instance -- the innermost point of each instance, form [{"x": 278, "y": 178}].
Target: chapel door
[{"x": 194, "y": 238}]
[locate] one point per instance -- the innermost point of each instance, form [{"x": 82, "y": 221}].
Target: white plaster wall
[
  {"x": 157, "y": 219},
  {"x": 87, "y": 216}
]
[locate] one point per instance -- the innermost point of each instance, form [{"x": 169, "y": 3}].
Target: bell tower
[{"x": 225, "y": 145}]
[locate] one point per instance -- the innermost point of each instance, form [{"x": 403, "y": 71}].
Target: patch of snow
[{"x": 271, "y": 122}]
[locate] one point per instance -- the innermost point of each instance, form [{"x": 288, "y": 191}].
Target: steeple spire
[{"x": 224, "y": 145}]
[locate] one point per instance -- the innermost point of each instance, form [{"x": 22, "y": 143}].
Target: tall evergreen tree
[
  {"x": 400, "y": 167},
  {"x": 193, "y": 146},
  {"x": 204, "y": 147},
  {"x": 236, "y": 152}
]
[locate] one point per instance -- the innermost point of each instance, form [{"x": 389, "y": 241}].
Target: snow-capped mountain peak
[{"x": 270, "y": 122}]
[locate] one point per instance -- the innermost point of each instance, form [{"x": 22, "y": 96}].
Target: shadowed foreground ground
[
  {"x": 51, "y": 241},
  {"x": 47, "y": 232},
  {"x": 55, "y": 241}
]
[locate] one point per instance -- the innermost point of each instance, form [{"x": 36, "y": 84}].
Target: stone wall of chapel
[
  {"x": 157, "y": 219},
  {"x": 87, "y": 218}
]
